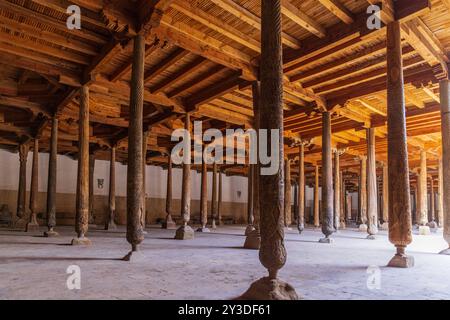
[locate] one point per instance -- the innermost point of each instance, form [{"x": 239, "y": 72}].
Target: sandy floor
[{"x": 214, "y": 266}]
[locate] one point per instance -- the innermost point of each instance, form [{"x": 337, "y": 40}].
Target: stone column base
[
  {"x": 184, "y": 233},
  {"x": 111, "y": 226},
  {"x": 433, "y": 226},
  {"x": 50, "y": 234},
  {"x": 371, "y": 237},
  {"x": 81, "y": 242},
  {"x": 326, "y": 240},
  {"x": 363, "y": 227},
  {"x": 384, "y": 226},
  {"x": 169, "y": 225},
  {"x": 203, "y": 229},
  {"x": 134, "y": 256},
  {"x": 424, "y": 230},
  {"x": 445, "y": 252},
  {"x": 32, "y": 227},
  {"x": 253, "y": 240},
  {"x": 270, "y": 289},
  {"x": 249, "y": 229},
  {"x": 401, "y": 261}
]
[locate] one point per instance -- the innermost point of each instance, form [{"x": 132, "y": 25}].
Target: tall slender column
[
  {"x": 110, "y": 224},
  {"x": 343, "y": 194},
  {"x": 316, "y": 198},
  {"x": 219, "y": 201},
  {"x": 33, "y": 224},
  {"x": 424, "y": 229},
  {"x": 272, "y": 253},
  {"x": 445, "y": 125},
  {"x": 51, "y": 183},
  {"x": 440, "y": 196},
  {"x": 287, "y": 195},
  {"x": 253, "y": 239},
  {"x": 22, "y": 219},
  {"x": 327, "y": 180},
  {"x": 399, "y": 201},
  {"x": 432, "y": 223},
  {"x": 169, "y": 223},
  {"x": 135, "y": 232},
  {"x": 372, "y": 190},
  {"x": 204, "y": 199},
  {"x": 363, "y": 194},
  {"x": 185, "y": 232},
  {"x": 91, "y": 188},
  {"x": 250, "y": 188},
  {"x": 144, "y": 175},
  {"x": 214, "y": 197},
  {"x": 385, "y": 224},
  {"x": 337, "y": 191},
  {"x": 301, "y": 189},
  {"x": 82, "y": 205}
]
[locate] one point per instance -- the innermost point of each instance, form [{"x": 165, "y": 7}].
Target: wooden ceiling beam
[
  {"x": 339, "y": 10},
  {"x": 174, "y": 57},
  {"x": 302, "y": 19}
]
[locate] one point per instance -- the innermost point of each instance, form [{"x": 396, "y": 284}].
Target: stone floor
[{"x": 214, "y": 266}]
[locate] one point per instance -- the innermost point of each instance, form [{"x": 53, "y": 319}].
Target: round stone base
[
  {"x": 371, "y": 237},
  {"x": 445, "y": 252},
  {"x": 32, "y": 227},
  {"x": 184, "y": 233},
  {"x": 111, "y": 226},
  {"x": 363, "y": 227},
  {"x": 249, "y": 229},
  {"x": 384, "y": 226},
  {"x": 169, "y": 225},
  {"x": 424, "y": 230},
  {"x": 81, "y": 242},
  {"x": 432, "y": 225},
  {"x": 326, "y": 240},
  {"x": 401, "y": 261},
  {"x": 204, "y": 230},
  {"x": 134, "y": 256},
  {"x": 50, "y": 234},
  {"x": 270, "y": 289},
  {"x": 253, "y": 241}
]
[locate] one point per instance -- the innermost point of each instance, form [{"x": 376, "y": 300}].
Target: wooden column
[
  {"x": 135, "y": 233},
  {"x": 337, "y": 191},
  {"x": 250, "y": 188},
  {"x": 272, "y": 253},
  {"x": 110, "y": 224},
  {"x": 144, "y": 175},
  {"x": 301, "y": 189},
  {"x": 91, "y": 188},
  {"x": 33, "y": 224},
  {"x": 440, "y": 196},
  {"x": 21, "y": 219},
  {"x": 316, "y": 198},
  {"x": 169, "y": 223},
  {"x": 424, "y": 229},
  {"x": 327, "y": 180},
  {"x": 219, "y": 201},
  {"x": 343, "y": 202},
  {"x": 204, "y": 199},
  {"x": 185, "y": 232},
  {"x": 51, "y": 182},
  {"x": 363, "y": 193},
  {"x": 82, "y": 200},
  {"x": 287, "y": 194},
  {"x": 214, "y": 197},
  {"x": 385, "y": 224},
  {"x": 399, "y": 201},
  {"x": 445, "y": 125},
  {"x": 432, "y": 223},
  {"x": 372, "y": 190}
]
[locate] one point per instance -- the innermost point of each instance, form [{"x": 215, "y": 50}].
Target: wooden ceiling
[{"x": 202, "y": 57}]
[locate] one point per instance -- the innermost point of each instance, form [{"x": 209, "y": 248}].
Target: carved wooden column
[
  {"x": 327, "y": 180},
  {"x": 33, "y": 224},
  {"x": 316, "y": 198},
  {"x": 253, "y": 239},
  {"x": 301, "y": 189},
  {"x": 135, "y": 234},
  {"x": 214, "y": 197},
  {"x": 372, "y": 190},
  {"x": 445, "y": 125},
  {"x": 51, "y": 182},
  {"x": 219, "y": 201},
  {"x": 82, "y": 199},
  {"x": 272, "y": 253},
  {"x": 91, "y": 188},
  {"x": 169, "y": 223},
  {"x": 110, "y": 224},
  {"x": 385, "y": 224},
  {"x": 337, "y": 190},
  {"x": 363, "y": 194},
  {"x": 399, "y": 201},
  {"x": 204, "y": 199},
  {"x": 185, "y": 232},
  {"x": 424, "y": 229},
  {"x": 440, "y": 196},
  {"x": 144, "y": 175},
  {"x": 250, "y": 189},
  {"x": 287, "y": 195},
  {"x": 22, "y": 219},
  {"x": 343, "y": 202},
  {"x": 432, "y": 224}
]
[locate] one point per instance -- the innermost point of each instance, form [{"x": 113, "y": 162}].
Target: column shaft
[
  {"x": 51, "y": 181},
  {"x": 445, "y": 125},
  {"x": 327, "y": 177},
  {"x": 316, "y": 198},
  {"x": 287, "y": 195},
  {"x": 372, "y": 190},
  {"x": 34, "y": 189},
  {"x": 301, "y": 188}
]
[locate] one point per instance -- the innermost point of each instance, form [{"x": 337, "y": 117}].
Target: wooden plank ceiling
[{"x": 202, "y": 58}]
